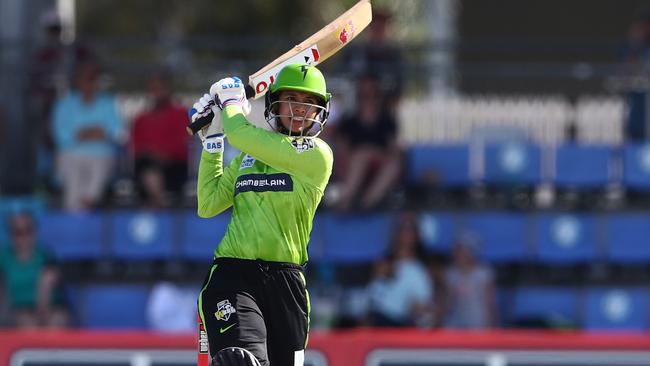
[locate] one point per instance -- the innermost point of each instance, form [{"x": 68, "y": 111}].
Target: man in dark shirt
[{"x": 370, "y": 158}]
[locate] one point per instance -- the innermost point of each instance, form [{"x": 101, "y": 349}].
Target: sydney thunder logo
[
  {"x": 304, "y": 70},
  {"x": 224, "y": 309}
]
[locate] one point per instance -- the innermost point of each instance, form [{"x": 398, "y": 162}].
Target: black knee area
[{"x": 234, "y": 356}]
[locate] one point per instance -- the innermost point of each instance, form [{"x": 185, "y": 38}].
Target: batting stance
[{"x": 254, "y": 297}]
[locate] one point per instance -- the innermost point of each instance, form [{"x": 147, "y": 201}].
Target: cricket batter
[{"x": 254, "y": 299}]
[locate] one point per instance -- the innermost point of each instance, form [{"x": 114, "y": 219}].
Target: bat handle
[{"x": 197, "y": 125}]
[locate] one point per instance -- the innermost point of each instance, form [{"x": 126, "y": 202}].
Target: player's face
[{"x": 299, "y": 105}]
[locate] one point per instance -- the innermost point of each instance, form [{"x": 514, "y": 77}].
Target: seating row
[
  {"x": 501, "y": 236},
  {"x": 591, "y": 308},
  {"x": 568, "y": 166}
]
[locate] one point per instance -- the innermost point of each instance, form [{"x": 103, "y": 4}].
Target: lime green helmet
[{"x": 301, "y": 78}]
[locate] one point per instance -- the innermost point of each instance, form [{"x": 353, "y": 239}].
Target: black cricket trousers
[{"x": 257, "y": 305}]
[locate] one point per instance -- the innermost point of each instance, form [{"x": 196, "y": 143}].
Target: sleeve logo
[{"x": 247, "y": 162}]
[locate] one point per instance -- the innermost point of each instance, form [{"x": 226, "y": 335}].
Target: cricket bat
[{"x": 314, "y": 50}]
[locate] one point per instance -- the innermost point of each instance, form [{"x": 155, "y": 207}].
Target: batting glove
[
  {"x": 212, "y": 135},
  {"x": 230, "y": 91}
]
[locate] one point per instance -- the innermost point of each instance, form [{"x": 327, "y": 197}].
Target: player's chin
[{"x": 297, "y": 126}]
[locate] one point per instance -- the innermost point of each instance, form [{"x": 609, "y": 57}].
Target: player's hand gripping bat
[{"x": 314, "y": 50}]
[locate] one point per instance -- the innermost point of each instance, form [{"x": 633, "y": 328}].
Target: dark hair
[{"x": 405, "y": 220}]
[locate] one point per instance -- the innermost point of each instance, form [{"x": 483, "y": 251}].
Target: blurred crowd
[
  {"x": 409, "y": 286},
  {"x": 88, "y": 154},
  {"x": 86, "y": 151},
  {"x": 84, "y": 145}
]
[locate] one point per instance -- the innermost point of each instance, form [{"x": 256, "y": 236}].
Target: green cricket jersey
[{"x": 274, "y": 187}]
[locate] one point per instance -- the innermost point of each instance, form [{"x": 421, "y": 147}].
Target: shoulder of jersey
[{"x": 321, "y": 144}]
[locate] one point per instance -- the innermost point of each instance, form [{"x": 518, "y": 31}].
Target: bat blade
[
  {"x": 318, "y": 47},
  {"x": 314, "y": 50}
]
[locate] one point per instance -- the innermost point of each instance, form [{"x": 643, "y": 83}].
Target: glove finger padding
[
  {"x": 214, "y": 128},
  {"x": 230, "y": 91},
  {"x": 212, "y": 135},
  {"x": 202, "y": 107}
]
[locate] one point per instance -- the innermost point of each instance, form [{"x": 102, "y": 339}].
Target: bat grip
[{"x": 197, "y": 125}]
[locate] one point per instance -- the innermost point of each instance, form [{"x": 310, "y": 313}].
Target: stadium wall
[{"x": 369, "y": 347}]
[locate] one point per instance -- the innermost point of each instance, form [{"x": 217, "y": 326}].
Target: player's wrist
[
  {"x": 234, "y": 109},
  {"x": 214, "y": 144},
  {"x": 211, "y": 159}
]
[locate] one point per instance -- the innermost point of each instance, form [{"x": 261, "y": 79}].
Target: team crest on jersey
[
  {"x": 247, "y": 162},
  {"x": 224, "y": 309},
  {"x": 302, "y": 144}
]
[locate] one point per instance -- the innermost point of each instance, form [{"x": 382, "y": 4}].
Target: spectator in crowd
[
  {"x": 367, "y": 154},
  {"x": 4, "y": 133},
  {"x": 638, "y": 40},
  {"x": 87, "y": 127},
  {"x": 401, "y": 292},
  {"x": 469, "y": 289},
  {"x": 172, "y": 308},
  {"x": 635, "y": 70},
  {"x": 52, "y": 66},
  {"x": 159, "y": 145},
  {"x": 31, "y": 279},
  {"x": 379, "y": 55},
  {"x": 436, "y": 265}
]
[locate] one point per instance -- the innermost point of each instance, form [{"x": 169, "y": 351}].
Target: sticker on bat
[{"x": 347, "y": 33}]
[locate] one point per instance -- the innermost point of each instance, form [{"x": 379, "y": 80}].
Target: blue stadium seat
[
  {"x": 445, "y": 165},
  {"x": 113, "y": 306},
  {"x": 73, "y": 236},
  {"x": 503, "y": 299},
  {"x": 616, "y": 309},
  {"x": 582, "y": 167},
  {"x": 636, "y": 166},
  {"x": 501, "y": 235},
  {"x": 512, "y": 163},
  {"x": 438, "y": 231},
  {"x": 316, "y": 249},
  {"x": 566, "y": 238},
  {"x": 552, "y": 305},
  {"x": 627, "y": 238},
  {"x": 356, "y": 238},
  {"x": 201, "y": 236},
  {"x": 143, "y": 235}
]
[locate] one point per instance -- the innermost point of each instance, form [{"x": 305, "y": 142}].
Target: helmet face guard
[
  {"x": 310, "y": 127},
  {"x": 299, "y": 78}
]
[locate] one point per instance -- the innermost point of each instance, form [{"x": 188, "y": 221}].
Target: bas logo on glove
[
  {"x": 234, "y": 82},
  {"x": 230, "y": 91},
  {"x": 213, "y": 144}
]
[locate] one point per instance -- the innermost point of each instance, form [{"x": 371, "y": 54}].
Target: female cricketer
[{"x": 254, "y": 302}]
